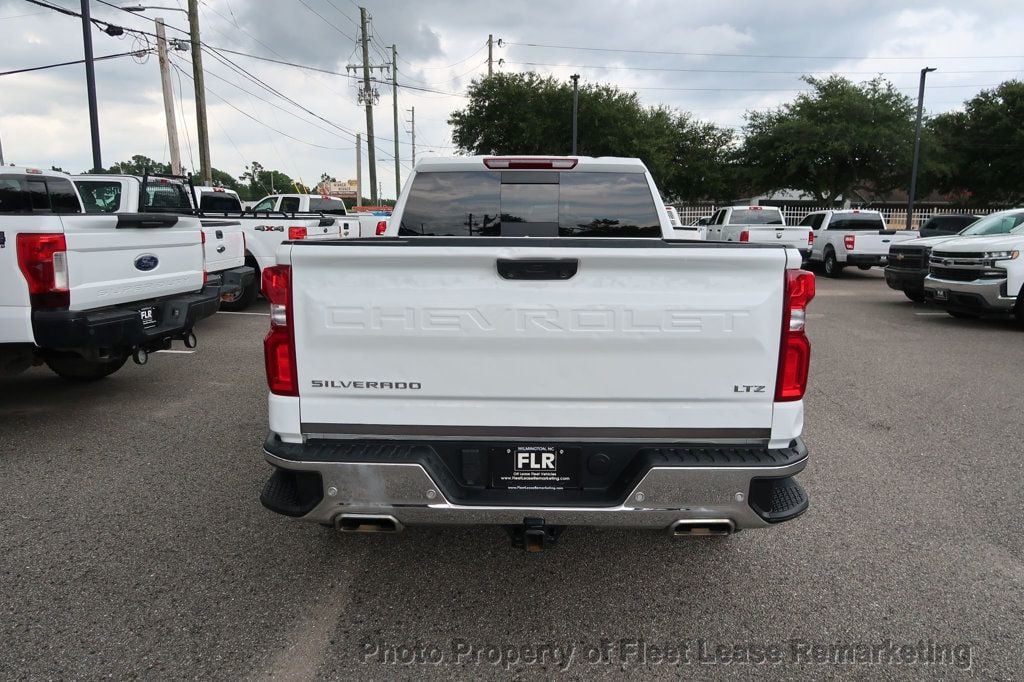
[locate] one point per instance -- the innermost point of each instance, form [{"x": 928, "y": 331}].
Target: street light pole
[
  {"x": 575, "y": 107},
  {"x": 90, "y": 86},
  {"x": 917, "y": 148}
]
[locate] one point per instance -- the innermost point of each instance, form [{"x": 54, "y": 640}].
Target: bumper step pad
[
  {"x": 778, "y": 499},
  {"x": 292, "y": 493}
]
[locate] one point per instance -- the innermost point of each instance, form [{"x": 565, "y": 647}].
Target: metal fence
[{"x": 895, "y": 218}]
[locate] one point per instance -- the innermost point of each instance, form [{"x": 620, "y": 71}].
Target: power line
[
  {"x": 134, "y": 53},
  {"x": 257, "y": 120},
  {"x": 325, "y": 20},
  {"x": 756, "y": 56},
  {"x": 745, "y": 71}
]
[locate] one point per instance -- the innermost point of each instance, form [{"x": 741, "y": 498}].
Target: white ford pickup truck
[
  {"x": 84, "y": 292},
  {"x": 223, "y": 239},
  {"x": 852, "y": 237},
  {"x": 527, "y": 346},
  {"x": 758, "y": 224}
]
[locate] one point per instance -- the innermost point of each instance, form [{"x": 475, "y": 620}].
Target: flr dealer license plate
[
  {"x": 148, "y": 317},
  {"x": 535, "y": 467}
]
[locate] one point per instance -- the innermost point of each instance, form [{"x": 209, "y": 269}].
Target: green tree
[
  {"x": 840, "y": 139},
  {"x": 261, "y": 181},
  {"x": 524, "y": 113},
  {"x": 980, "y": 147},
  {"x": 138, "y": 165}
]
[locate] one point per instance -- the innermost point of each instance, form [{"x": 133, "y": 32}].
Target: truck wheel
[
  {"x": 961, "y": 315},
  {"x": 833, "y": 268},
  {"x": 915, "y": 296},
  {"x": 863, "y": 267},
  {"x": 1018, "y": 310},
  {"x": 77, "y": 368}
]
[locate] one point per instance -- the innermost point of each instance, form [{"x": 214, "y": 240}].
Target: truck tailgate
[
  {"x": 224, "y": 247},
  {"x": 111, "y": 262},
  {"x": 794, "y": 236},
  {"x": 657, "y": 339},
  {"x": 878, "y": 243}
]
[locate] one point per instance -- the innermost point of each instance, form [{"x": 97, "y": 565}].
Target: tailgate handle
[
  {"x": 220, "y": 234},
  {"x": 554, "y": 268},
  {"x": 221, "y": 249}
]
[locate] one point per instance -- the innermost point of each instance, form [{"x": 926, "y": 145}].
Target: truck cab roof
[{"x": 591, "y": 164}]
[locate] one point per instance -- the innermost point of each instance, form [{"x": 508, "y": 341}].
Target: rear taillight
[
  {"x": 810, "y": 239},
  {"x": 744, "y": 236},
  {"x": 296, "y": 233},
  {"x": 279, "y": 344},
  {"x": 382, "y": 227},
  {"x": 848, "y": 241},
  {"x": 43, "y": 261},
  {"x": 795, "y": 348},
  {"x": 202, "y": 240}
]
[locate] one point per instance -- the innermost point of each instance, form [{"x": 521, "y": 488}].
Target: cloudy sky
[{"x": 715, "y": 59}]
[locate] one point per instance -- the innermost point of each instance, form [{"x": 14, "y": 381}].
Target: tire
[
  {"x": 1018, "y": 310},
  {"x": 915, "y": 296},
  {"x": 863, "y": 267},
  {"x": 77, "y": 368},
  {"x": 961, "y": 315},
  {"x": 832, "y": 267},
  {"x": 249, "y": 294}
]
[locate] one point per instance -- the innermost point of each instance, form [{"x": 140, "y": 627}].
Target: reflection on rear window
[
  {"x": 756, "y": 217},
  {"x": 530, "y": 203},
  {"x": 857, "y": 221},
  {"x": 219, "y": 202}
]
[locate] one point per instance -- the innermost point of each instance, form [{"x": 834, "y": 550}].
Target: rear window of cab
[{"x": 530, "y": 204}]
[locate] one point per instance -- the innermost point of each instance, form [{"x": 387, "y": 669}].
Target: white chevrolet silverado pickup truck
[
  {"x": 758, "y": 224},
  {"x": 223, "y": 239},
  {"x": 973, "y": 276},
  {"x": 84, "y": 292},
  {"x": 852, "y": 237},
  {"x": 528, "y": 346}
]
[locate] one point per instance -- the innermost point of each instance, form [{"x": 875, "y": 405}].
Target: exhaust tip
[
  {"x": 695, "y": 527},
  {"x": 367, "y": 523}
]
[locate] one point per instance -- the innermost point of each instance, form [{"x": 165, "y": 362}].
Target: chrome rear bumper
[{"x": 665, "y": 496}]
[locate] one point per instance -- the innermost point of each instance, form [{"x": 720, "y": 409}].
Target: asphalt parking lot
[{"x": 133, "y": 544}]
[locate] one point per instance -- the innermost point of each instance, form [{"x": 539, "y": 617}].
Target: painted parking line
[
  {"x": 178, "y": 352},
  {"x": 238, "y": 312},
  {"x": 930, "y": 314}
]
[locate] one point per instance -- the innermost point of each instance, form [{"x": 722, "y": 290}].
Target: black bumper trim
[
  {"x": 608, "y": 470},
  {"x": 409, "y": 431},
  {"x": 861, "y": 259},
  {"x": 120, "y": 326},
  {"x": 235, "y": 280}
]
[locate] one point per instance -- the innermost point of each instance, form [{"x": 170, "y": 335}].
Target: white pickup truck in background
[
  {"x": 528, "y": 346},
  {"x": 764, "y": 224},
  {"x": 852, "y": 237},
  {"x": 84, "y": 292},
  {"x": 352, "y": 225},
  {"x": 223, "y": 240}
]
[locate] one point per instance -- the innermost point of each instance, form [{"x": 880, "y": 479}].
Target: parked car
[
  {"x": 943, "y": 225},
  {"x": 369, "y": 224},
  {"x": 757, "y": 224},
  {"x": 223, "y": 240},
  {"x": 908, "y": 261},
  {"x": 210, "y": 200},
  {"x": 981, "y": 275},
  {"x": 535, "y": 352},
  {"x": 84, "y": 292},
  {"x": 851, "y": 237}
]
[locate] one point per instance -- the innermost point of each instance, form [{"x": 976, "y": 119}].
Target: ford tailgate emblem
[{"x": 146, "y": 262}]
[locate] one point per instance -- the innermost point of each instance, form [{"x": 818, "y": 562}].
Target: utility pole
[
  {"x": 90, "y": 87},
  {"x": 359, "y": 169},
  {"x": 368, "y": 98},
  {"x": 1, "y": 153},
  {"x": 197, "y": 76},
  {"x": 917, "y": 148},
  {"x": 165, "y": 83},
  {"x": 490, "y": 55},
  {"x": 575, "y": 107},
  {"x": 394, "y": 102},
  {"x": 413, "y": 112}
]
